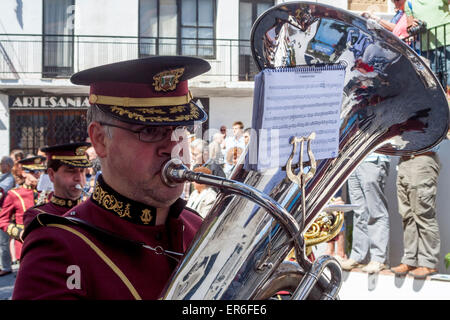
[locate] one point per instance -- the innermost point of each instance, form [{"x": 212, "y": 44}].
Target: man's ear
[
  {"x": 98, "y": 138},
  {"x": 51, "y": 174}
]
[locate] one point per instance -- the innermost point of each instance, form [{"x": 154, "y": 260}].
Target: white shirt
[
  {"x": 203, "y": 201},
  {"x": 232, "y": 142},
  {"x": 44, "y": 183}
]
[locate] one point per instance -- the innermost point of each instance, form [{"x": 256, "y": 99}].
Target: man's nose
[
  {"x": 166, "y": 146},
  {"x": 175, "y": 146},
  {"x": 78, "y": 175}
]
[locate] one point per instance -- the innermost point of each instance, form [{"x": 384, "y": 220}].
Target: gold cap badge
[
  {"x": 167, "y": 80},
  {"x": 81, "y": 150}
]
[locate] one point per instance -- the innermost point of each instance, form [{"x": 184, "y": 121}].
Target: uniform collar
[
  {"x": 128, "y": 209},
  {"x": 66, "y": 203}
]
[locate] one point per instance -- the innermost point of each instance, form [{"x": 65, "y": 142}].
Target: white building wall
[
  {"x": 31, "y": 17},
  {"x": 105, "y": 18},
  {"x": 4, "y": 125},
  {"x": 226, "y": 110},
  {"x": 25, "y": 55},
  {"x": 227, "y": 50},
  {"x": 227, "y": 22}
]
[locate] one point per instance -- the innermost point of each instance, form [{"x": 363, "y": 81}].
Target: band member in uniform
[
  {"x": 66, "y": 166},
  {"x": 20, "y": 199},
  {"x": 137, "y": 121}
]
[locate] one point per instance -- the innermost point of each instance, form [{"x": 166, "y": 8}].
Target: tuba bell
[{"x": 392, "y": 103}]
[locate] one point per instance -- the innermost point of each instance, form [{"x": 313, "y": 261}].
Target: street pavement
[{"x": 7, "y": 284}]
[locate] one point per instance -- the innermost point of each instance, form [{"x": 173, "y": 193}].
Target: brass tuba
[{"x": 392, "y": 103}]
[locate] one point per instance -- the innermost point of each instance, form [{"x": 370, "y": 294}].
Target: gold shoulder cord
[
  {"x": 24, "y": 208},
  {"x": 104, "y": 257}
]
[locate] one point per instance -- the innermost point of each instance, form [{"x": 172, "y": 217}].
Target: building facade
[{"x": 42, "y": 43}]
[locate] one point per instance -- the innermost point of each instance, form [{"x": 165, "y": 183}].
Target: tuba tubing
[{"x": 174, "y": 172}]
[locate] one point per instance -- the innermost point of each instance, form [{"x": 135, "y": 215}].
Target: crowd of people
[
  {"x": 217, "y": 157},
  {"x": 416, "y": 184}
]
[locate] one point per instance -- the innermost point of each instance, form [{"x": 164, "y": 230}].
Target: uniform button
[{"x": 158, "y": 236}]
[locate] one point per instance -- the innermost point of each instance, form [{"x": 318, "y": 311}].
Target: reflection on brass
[{"x": 325, "y": 228}]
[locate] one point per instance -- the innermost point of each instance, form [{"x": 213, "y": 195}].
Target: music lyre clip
[{"x": 301, "y": 178}]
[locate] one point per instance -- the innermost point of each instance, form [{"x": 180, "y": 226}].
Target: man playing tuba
[{"x": 137, "y": 119}]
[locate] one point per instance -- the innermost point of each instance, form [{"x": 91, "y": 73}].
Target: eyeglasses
[
  {"x": 32, "y": 171},
  {"x": 153, "y": 134}
]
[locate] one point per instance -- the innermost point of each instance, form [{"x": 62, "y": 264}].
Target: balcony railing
[
  {"x": 56, "y": 56},
  {"x": 434, "y": 45}
]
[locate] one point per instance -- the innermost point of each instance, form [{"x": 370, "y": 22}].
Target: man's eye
[{"x": 149, "y": 131}]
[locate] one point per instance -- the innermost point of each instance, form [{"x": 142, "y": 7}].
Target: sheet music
[{"x": 297, "y": 102}]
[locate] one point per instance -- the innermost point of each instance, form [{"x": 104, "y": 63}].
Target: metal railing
[
  {"x": 58, "y": 56},
  {"x": 434, "y": 45}
]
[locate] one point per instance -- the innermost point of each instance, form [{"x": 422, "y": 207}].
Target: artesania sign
[{"x": 48, "y": 102}]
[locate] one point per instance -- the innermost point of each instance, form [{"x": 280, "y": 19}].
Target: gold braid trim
[
  {"x": 14, "y": 230},
  {"x": 108, "y": 201},
  {"x": 84, "y": 157},
  {"x": 24, "y": 208},
  {"x": 140, "y": 102},
  {"x": 104, "y": 257},
  {"x": 82, "y": 163},
  {"x": 67, "y": 203},
  {"x": 130, "y": 210},
  {"x": 193, "y": 115}
]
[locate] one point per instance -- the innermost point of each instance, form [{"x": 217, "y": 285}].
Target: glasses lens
[
  {"x": 155, "y": 134},
  {"x": 152, "y": 134}
]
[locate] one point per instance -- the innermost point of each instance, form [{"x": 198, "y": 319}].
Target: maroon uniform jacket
[
  {"x": 61, "y": 263},
  {"x": 17, "y": 201},
  {"x": 55, "y": 205}
]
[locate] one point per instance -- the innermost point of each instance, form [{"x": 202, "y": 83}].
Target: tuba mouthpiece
[{"x": 172, "y": 172}]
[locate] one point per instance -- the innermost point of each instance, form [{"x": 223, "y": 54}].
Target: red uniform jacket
[
  {"x": 61, "y": 264},
  {"x": 17, "y": 201},
  {"x": 56, "y": 205}
]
